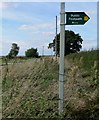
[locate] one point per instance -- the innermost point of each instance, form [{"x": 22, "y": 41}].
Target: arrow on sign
[{"x": 76, "y": 18}]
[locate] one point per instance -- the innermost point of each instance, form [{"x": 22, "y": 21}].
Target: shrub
[{"x": 31, "y": 53}]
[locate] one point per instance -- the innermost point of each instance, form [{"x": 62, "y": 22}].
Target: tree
[
  {"x": 72, "y": 42},
  {"x": 31, "y": 53},
  {"x": 14, "y": 50}
]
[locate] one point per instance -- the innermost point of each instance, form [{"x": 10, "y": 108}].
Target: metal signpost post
[
  {"x": 72, "y": 18},
  {"x": 61, "y": 66}
]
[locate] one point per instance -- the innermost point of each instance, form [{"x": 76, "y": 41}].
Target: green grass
[
  {"x": 85, "y": 59},
  {"x": 0, "y": 61},
  {"x": 5, "y": 60},
  {"x": 31, "y": 89}
]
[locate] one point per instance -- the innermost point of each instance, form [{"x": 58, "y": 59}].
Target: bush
[{"x": 31, "y": 53}]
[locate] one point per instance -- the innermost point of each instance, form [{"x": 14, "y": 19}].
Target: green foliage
[
  {"x": 31, "y": 53},
  {"x": 72, "y": 42},
  {"x": 85, "y": 59},
  {"x": 7, "y": 84},
  {"x": 31, "y": 91},
  {"x": 14, "y": 51},
  {"x": 32, "y": 103}
]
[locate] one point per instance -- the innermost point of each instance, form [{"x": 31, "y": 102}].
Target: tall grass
[
  {"x": 85, "y": 59},
  {"x": 31, "y": 88}
]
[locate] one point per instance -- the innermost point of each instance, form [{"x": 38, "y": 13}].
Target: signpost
[
  {"x": 76, "y": 18},
  {"x": 61, "y": 62},
  {"x": 72, "y": 18}
]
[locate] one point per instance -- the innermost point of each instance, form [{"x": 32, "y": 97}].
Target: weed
[{"x": 30, "y": 89}]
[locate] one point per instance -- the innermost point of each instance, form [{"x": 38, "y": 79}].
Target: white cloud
[
  {"x": 38, "y": 27},
  {"x": 5, "y": 5},
  {"x": 41, "y": 34},
  {"x": 48, "y": 34},
  {"x": 2, "y": 5},
  {"x": 6, "y": 45},
  {"x": 89, "y": 44},
  {"x": 25, "y": 27},
  {"x": 24, "y": 45},
  {"x": 92, "y": 12},
  {"x": 19, "y": 16}
]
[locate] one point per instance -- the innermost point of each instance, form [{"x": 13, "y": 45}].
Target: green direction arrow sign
[{"x": 76, "y": 18}]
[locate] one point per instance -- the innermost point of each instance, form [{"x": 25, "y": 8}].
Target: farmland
[{"x": 30, "y": 89}]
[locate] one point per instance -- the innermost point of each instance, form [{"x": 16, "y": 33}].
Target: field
[
  {"x": 30, "y": 87},
  {"x": 0, "y": 61}
]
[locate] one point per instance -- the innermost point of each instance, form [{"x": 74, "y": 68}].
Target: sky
[{"x": 32, "y": 24}]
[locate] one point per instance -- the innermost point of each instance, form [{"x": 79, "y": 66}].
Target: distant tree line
[
  {"x": 32, "y": 52},
  {"x": 73, "y": 44}
]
